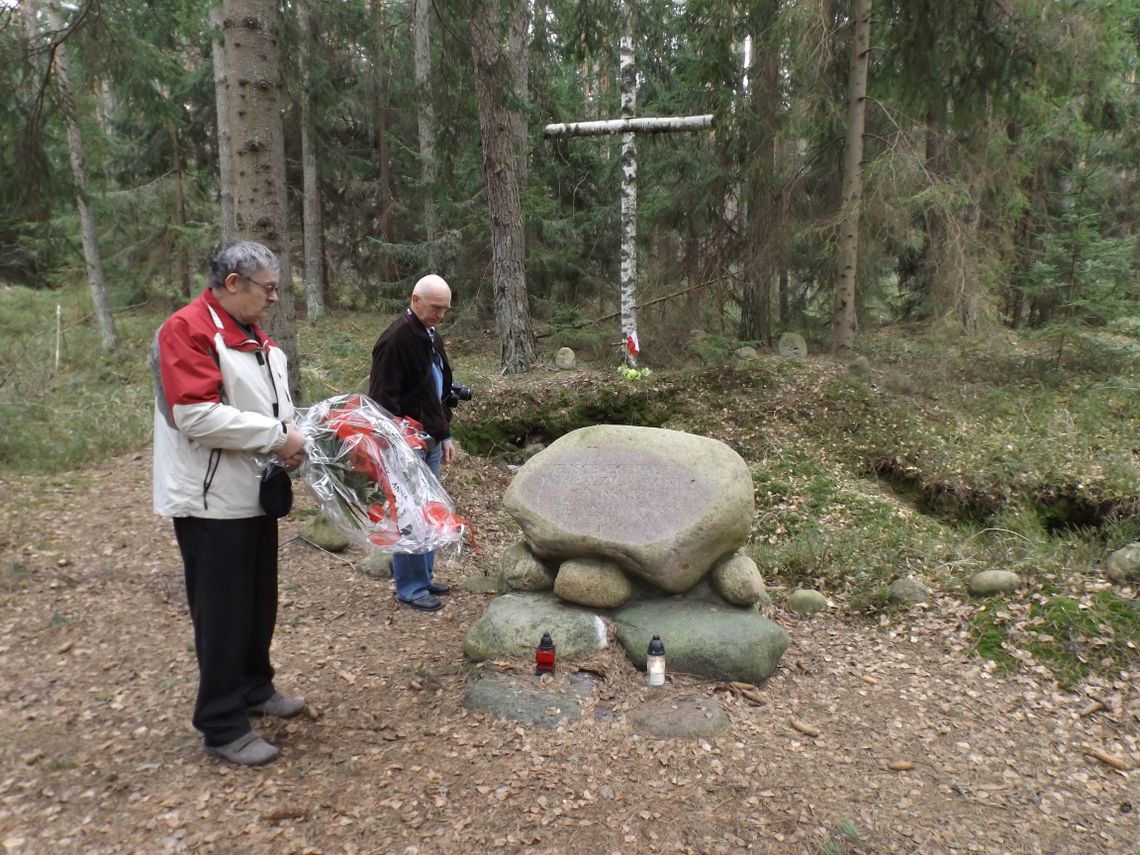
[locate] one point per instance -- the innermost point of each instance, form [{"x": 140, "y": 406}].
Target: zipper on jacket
[{"x": 211, "y": 469}]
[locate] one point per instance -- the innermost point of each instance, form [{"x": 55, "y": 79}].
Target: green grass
[
  {"x": 990, "y": 629},
  {"x": 59, "y": 417},
  {"x": 1072, "y": 637}
]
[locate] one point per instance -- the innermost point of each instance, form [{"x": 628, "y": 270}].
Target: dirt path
[{"x": 97, "y": 753}]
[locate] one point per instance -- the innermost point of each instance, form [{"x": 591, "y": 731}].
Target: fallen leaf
[
  {"x": 1108, "y": 759},
  {"x": 804, "y": 728},
  {"x": 283, "y": 813}
]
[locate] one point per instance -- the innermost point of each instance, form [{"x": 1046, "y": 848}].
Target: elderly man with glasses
[{"x": 222, "y": 399}]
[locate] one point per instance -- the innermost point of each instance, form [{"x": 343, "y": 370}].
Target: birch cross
[{"x": 628, "y": 127}]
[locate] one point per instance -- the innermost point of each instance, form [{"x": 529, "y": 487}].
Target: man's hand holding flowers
[{"x": 292, "y": 451}]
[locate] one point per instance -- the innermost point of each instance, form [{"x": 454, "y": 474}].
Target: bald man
[{"x": 411, "y": 377}]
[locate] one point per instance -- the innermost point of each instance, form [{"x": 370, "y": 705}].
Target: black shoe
[
  {"x": 424, "y": 602},
  {"x": 439, "y": 589}
]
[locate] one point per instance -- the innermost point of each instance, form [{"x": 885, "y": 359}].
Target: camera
[{"x": 458, "y": 393}]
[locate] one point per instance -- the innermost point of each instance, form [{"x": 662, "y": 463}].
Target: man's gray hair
[{"x": 243, "y": 257}]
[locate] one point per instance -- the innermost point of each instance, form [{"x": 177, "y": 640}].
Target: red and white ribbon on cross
[{"x": 631, "y": 344}]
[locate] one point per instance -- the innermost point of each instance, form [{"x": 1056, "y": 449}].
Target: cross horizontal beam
[{"x": 665, "y": 124}]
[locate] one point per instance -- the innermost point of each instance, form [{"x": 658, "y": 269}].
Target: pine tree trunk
[
  {"x": 762, "y": 211},
  {"x": 90, "y": 235},
  {"x": 499, "y": 48},
  {"x": 311, "y": 195},
  {"x": 228, "y": 222},
  {"x": 181, "y": 256},
  {"x": 426, "y": 121},
  {"x": 32, "y": 202},
  {"x": 628, "y": 77},
  {"x": 382, "y": 150},
  {"x": 843, "y": 321},
  {"x": 253, "y": 96}
]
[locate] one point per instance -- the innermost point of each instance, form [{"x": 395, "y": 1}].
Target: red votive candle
[{"x": 544, "y": 655}]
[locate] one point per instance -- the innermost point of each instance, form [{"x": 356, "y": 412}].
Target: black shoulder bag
[{"x": 275, "y": 492}]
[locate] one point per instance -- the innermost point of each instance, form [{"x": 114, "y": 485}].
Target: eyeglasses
[{"x": 270, "y": 290}]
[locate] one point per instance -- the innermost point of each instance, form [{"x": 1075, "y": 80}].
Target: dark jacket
[{"x": 401, "y": 379}]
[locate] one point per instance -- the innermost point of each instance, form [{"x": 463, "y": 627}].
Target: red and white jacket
[{"x": 221, "y": 397}]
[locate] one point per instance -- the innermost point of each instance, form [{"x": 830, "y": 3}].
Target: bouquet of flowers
[{"x": 364, "y": 472}]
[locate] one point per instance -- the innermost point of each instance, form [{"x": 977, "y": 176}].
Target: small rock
[
  {"x": 793, "y": 344},
  {"x": 746, "y": 353},
  {"x": 737, "y": 578},
  {"x": 477, "y": 583},
  {"x": 989, "y": 582},
  {"x": 520, "y": 697},
  {"x": 1123, "y": 565},
  {"x": 908, "y": 592},
  {"x": 900, "y": 384},
  {"x": 565, "y": 359},
  {"x": 679, "y": 718},
  {"x": 521, "y": 570},
  {"x": 376, "y": 565},
  {"x": 593, "y": 582},
  {"x": 806, "y": 602},
  {"x": 320, "y": 531}
]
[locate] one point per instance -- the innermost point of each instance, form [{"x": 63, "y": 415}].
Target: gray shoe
[
  {"x": 279, "y": 706},
  {"x": 247, "y": 750}
]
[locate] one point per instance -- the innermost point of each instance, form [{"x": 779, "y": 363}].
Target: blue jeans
[{"x": 413, "y": 573}]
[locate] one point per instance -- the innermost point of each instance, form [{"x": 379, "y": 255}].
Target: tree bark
[
  {"x": 253, "y": 118},
  {"x": 227, "y": 225},
  {"x": 843, "y": 319},
  {"x": 311, "y": 195},
  {"x": 382, "y": 149},
  {"x": 182, "y": 258},
  {"x": 762, "y": 227},
  {"x": 499, "y": 48},
  {"x": 628, "y": 78},
  {"x": 90, "y": 234},
  {"x": 31, "y": 199},
  {"x": 426, "y": 122}
]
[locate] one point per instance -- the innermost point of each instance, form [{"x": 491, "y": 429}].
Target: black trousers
[{"x": 231, "y": 584}]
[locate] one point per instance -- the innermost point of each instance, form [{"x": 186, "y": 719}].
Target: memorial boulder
[{"x": 661, "y": 504}]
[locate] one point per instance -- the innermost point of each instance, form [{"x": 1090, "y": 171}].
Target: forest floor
[{"x": 921, "y": 748}]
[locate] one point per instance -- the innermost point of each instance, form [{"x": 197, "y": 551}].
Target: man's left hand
[{"x": 447, "y": 451}]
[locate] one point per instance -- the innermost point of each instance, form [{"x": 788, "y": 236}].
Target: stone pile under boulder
[{"x": 644, "y": 527}]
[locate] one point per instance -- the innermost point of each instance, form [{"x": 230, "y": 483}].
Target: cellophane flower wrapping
[{"x": 363, "y": 469}]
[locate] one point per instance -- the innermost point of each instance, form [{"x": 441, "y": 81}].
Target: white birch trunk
[
  {"x": 648, "y": 125},
  {"x": 89, "y": 233},
  {"x": 843, "y": 322},
  {"x": 311, "y": 194},
  {"x": 426, "y": 120},
  {"x": 628, "y": 78}
]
